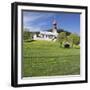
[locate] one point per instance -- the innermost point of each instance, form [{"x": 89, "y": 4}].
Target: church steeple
[{"x": 54, "y": 30}]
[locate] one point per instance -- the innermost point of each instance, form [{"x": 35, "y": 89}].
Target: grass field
[{"x": 43, "y": 58}]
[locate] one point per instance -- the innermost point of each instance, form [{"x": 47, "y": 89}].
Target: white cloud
[
  {"x": 31, "y": 17},
  {"x": 33, "y": 28}
]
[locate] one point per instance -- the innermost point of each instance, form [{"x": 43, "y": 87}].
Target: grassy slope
[{"x": 43, "y": 58}]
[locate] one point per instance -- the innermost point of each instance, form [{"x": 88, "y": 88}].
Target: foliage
[
  {"x": 60, "y": 31},
  {"x": 61, "y": 37},
  {"x": 76, "y": 46},
  {"x": 74, "y": 38},
  {"x": 27, "y": 35}
]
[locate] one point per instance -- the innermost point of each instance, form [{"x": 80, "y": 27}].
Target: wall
[{"x": 5, "y": 46}]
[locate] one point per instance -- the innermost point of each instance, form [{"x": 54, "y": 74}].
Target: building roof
[{"x": 48, "y": 33}]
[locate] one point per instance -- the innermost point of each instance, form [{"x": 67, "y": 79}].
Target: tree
[
  {"x": 26, "y": 34},
  {"x": 74, "y": 39},
  {"x": 62, "y": 37},
  {"x": 59, "y": 30}
]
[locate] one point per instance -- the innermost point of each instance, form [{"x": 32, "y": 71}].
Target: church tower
[{"x": 54, "y": 30}]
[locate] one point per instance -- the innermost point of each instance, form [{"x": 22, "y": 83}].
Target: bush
[{"x": 76, "y": 46}]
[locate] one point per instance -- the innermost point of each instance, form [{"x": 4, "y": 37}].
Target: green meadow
[{"x": 45, "y": 58}]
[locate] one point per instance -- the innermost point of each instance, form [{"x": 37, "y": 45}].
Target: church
[{"x": 46, "y": 35}]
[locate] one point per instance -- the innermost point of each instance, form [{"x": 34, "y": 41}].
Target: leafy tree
[
  {"x": 67, "y": 33},
  {"x": 74, "y": 39},
  {"x": 59, "y": 30},
  {"x": 62, "y": 37},
  {"x": 26, "y": 34}
]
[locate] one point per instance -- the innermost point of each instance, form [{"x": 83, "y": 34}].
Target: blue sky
[{"x": 40, "y": 21}]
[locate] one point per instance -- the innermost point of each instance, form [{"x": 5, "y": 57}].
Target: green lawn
[{"x": 44, "y": 58}]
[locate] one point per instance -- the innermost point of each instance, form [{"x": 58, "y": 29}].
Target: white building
[{"x": 45, "y": 35}]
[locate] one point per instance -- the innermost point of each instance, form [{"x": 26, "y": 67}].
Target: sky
[{"x": 41, "y": 21}]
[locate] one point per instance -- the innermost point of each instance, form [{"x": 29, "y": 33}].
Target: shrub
[{"x": 76, "y": 46}]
